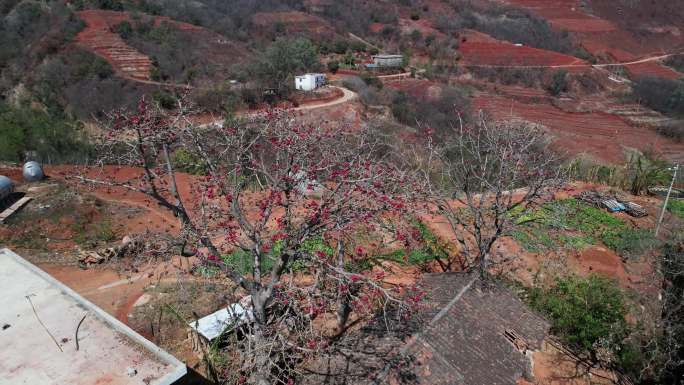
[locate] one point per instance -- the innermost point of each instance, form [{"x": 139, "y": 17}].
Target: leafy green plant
[
  {"x": 124, "y": 29},
  {"x": 52, "y": 138},
  {"x": 588, "y": 314},
  {"x": 559, "y": 83},
  {"x": 552, "y": 226},
  {"x": 333, "y": 66},
  {"x": 645, "y": 172},
  {"x": 90, "y": 234},
  {"x": 676, "y": 207},
  {"x": 185, "y": 161}
]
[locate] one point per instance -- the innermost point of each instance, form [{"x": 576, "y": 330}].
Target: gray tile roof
[
  {"x": 464, "y": 340},
  {"x": 459, "y": 338}
]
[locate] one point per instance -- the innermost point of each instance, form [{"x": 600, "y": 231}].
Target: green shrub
[
  {"x": 676, "y": 62},
  {"x": 664, "y": 95},
  {"x": 52, "y": 139},
  {"x": 588, "y": 314},
  {"x": 243, "y": 262},
  {"x": 91, "y": 234},
  {"x": 165, "y": 100},
  {"x": 285, "y": 58},
  {"x": 124, "y": 29},
  {"x": 333, "y": 66},
  {"x": 676, "y": 207},
  {"x": 559, "y": 83},
  {"x": 357, "y": 46},
  {"x": 549, "y": 227},
  {"x": 185, "y": 161},
  {"x": 645, "y": 172},
  {"x": 341, "y": 46}
]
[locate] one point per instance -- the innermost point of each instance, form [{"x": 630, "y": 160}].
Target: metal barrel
[
  {"x": 33, "y": 172},
  {"x": 6, "y": 187}
]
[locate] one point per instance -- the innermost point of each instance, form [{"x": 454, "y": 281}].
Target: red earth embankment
[
  {"x": 599, "y": 135},
  {"x": 602, "y": 37},
  {"x": 502, "y": 54},
  {"x": 100, "y": 39},
  {"x": 293, "y": 22}
]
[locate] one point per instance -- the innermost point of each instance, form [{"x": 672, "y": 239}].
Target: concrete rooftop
[{"x": 110, "y": 353}]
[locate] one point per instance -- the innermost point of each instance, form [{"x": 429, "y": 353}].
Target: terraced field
[
  {"x": 99, "y": 38},
  {"x": 293, "y": 22},
  {"x": 601, "y": 37},
  {"x": 599, "y": 135},
  {"x": 506, "y": 54}
]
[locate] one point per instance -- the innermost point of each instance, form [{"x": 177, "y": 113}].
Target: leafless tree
[
  {"x": 481, "y": 177},
  {"x": 279, "y": 196},
  {"x": 662, "y": 344}
]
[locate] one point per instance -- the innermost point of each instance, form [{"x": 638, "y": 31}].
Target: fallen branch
[
  {"x": 78, "y": 327},
  {"x": 28, "y": 298}
]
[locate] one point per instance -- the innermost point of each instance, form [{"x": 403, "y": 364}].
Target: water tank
[
  {"x": 6, "y": 187},
  {"x": 33, "y": 172}
]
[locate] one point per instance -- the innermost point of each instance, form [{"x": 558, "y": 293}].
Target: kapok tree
[
  {"x": 276, "y": 197},
  {"x": 484, "y": 176}
]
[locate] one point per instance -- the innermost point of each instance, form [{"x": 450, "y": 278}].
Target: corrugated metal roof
[{"x": 220, "y": 321}]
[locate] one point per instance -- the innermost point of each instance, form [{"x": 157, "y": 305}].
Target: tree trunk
[
  {"x": 343, "y": 306},
  {"x": 343, "y": 312},
  {"x": 483, "y": 266},
  {"x": 263, "y": 363}
]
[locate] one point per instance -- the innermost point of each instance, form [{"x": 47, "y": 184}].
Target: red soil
[
  {"x": 328, "y": 95},
  {"x": 294, "y": 22},
  {"x": 424, "y": 26},
  {"x": 473, "y": 36},
  {"x": 507, "y": 54},
  {"x": 99, "y": 38},
  {"x": 156, "y": 219},
  {"x": 599, "y": 260},
  {"x": 597, "y": 134},
  {"x": 566, "y": 14},
  {"x": 417, "y": 88},
  {"x": 600, "y": 37},
  {"x": 651, "y": 69}
]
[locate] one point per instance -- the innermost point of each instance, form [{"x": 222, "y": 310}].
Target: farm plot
[
  {"x": 599, "y": 135},
  {"x": 505, "y": 54},
  {"x": 602, "y": 37},
  {"x": 99, "y": 38}
]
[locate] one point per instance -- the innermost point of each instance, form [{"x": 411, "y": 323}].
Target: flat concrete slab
[{"x": 110, "y": 353}]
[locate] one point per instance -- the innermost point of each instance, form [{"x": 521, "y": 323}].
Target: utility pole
[{"x": 667, "y": 198}]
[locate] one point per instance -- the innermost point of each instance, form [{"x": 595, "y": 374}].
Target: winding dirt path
[
  {"x": 347, "y": 96},
  {"x": 583, "y": 65}
]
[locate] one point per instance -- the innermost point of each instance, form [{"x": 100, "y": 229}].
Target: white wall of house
[
  {"x": 388, "y": 60},
  {"x": 309, "y": 82}
]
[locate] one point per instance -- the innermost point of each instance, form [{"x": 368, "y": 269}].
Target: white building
[
  {"x": 309, "y": 82},
  {"x": 388, "y": 60},
  {"x": 79, "y": 343}
]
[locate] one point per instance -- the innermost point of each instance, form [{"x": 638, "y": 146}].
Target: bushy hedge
[
  {"x": 588, "y": 314},
  {"x": 573, "y": 224},
  {"x": 48, "y": 139},
  {"x": 440, "y": 114},
  {"x": 664, "y": 95},
  {"x": 515, "y": 25}
]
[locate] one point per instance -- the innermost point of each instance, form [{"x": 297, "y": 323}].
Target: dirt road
[
  {"x": 347, "y": 96},
  {"x": 604, "y": 65}
]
